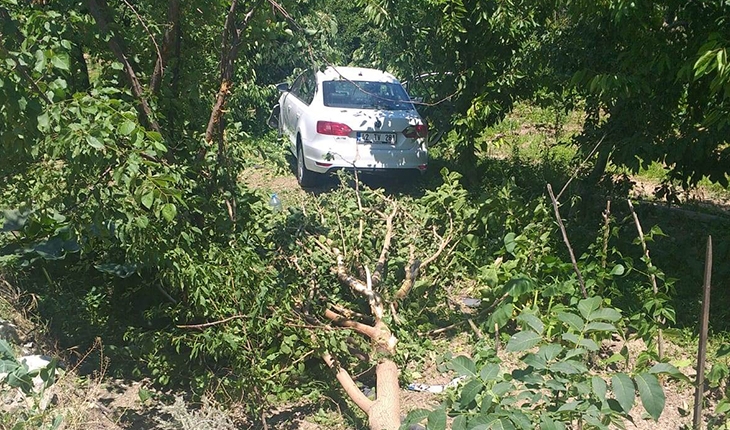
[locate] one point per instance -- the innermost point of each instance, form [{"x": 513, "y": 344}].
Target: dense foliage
[{"x": 124, "y": 128}]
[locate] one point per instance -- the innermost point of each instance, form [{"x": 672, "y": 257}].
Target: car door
[
  {"x": 289, "y": 119},
  {"x": 299, "y": 105}
]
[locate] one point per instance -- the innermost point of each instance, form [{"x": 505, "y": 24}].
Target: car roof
[{"x": 333, "y": 73}]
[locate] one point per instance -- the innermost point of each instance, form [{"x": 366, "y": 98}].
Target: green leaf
[
  {"x": 587, "y": 306},
  {"x": 15, "y": 219},
  {"x": 6, "y": 351},
  {"x": 119, "y": 270},
  {"x": 605, "y": 314},
  {"x": 169, "y": 211},
  {"x": 532, "y": 321},
  {"x": 469, "y": 392},
  {"x": 416, "y": 416},
  {"x": 148, "y": 199},
  {"x": 155, "y": 136},
  {"x": 501, "y": 424},
  {"x": 599, "y": 387},
  {"x": 569, "y": 367},
  {"x": 94, "y": 142},
  {"x": 500, "y": 316},
  {"x": 43, "y": 122},
  {"x": 547, "y": 423},
  {"x": 550, "y": 351},
  {"x": 574, "y": 321},
  {"x": 516, "y": 287},
  {"x": 127, "y": 128},
  {"x": 669, "y": 369},
  {"x": 588, "y": 344},
  {"x": 651, "y": 393},
  {"x": 459, "y": 423},
  {"x": 501, "y": 388},
  {"x": 437, "y": 420},
  {"x": 618, "y": 270},
  {"x": 489, "y": 372},
  {"x": 599, "y": 326},
  {"x": 7, "y": 366},
  {"x": 723, "y": 406},
  {"x": 463, "y": 365},
  {"x": 60, "y": 60},
  {"x": 144, "y": 394},
  {"x": 624, "y": 391},
  {"x": 570, "y": 406},
  {"x": 509, "y": 242},
  {"x": 523, "y": 341}
]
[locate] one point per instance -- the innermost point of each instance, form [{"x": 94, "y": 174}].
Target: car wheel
[{"x": 305, "y": 177}]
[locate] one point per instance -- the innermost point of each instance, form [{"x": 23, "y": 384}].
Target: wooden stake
[
  {"x": 567, "y": 242},
  {"x": 652, "y": 278},
  {"x": 702, "y": 349}
]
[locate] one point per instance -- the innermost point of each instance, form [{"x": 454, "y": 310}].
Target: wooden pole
[
  {"x": 652, "y": 278},
  {"x": 567, "y": 242},
  {"x": 702, "y": 349}
]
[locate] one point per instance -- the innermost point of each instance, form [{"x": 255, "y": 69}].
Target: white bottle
[{"x": 275, "y": 203}]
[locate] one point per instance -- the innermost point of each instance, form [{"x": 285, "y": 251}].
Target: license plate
[{"x": 368, "y": 137}]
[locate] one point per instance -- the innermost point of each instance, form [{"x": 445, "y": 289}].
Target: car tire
[{"x": 305, "y": 177}]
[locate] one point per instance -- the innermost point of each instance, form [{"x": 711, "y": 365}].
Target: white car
[{"x": 350, "y": 118}]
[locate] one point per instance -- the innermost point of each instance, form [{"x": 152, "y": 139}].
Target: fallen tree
[{"x": 383, "y": 294}]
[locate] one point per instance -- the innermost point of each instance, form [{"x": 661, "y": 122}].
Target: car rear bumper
[{"x": 322, "y": 157}]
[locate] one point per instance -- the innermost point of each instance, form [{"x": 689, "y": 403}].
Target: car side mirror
[{"x": 282, "y": 87}]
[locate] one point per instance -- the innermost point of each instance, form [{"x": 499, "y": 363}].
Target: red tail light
[
  {"x": 416, "y": 131},
  {"x": 333, "y": 128}
]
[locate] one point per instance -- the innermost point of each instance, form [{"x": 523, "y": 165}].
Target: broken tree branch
[
  {"x": 230, "y": 44},
  {"x": 357, "y": 286},
  {"x": 361, "y": 328},
  {"x": 380, "y": 266},
  {"x": 415, "y": 266},
  {"x": 348, "y": 384},
  {"x": 211, "y": 324}
]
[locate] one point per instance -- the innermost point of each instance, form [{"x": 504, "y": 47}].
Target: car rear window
[{"x": 365, "y": 95}]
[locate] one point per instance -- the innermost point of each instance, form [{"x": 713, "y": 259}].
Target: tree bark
[
  {"x": 102, "y": 15},
  {"x": 384, "y": 414},
  {"x": 170, "y": 41},
  {"x": 230, "y": 44}
]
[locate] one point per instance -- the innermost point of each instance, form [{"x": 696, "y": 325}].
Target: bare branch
[
  {"x": 380, "y": 266},
  {"x": 147, "y": 29},
  {"x": 415, "y": 267},
  {"x": 363, "y": 329},
  {"x": 357, "y": 286},
  {"x": 212, "y": 323},
  {"x": 567, "y": 242},
  {"x": 652, "y": 277},
  {"x": 347, "y": 383},
  {"x": 580, "y": 166},
  {"x": 350, "y": 314}
]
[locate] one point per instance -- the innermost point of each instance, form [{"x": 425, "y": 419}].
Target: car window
[
  {"x": 365, "y": 95},
  {"x": 297, "y": 85},
  {"x": 308, "y": 88}
]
